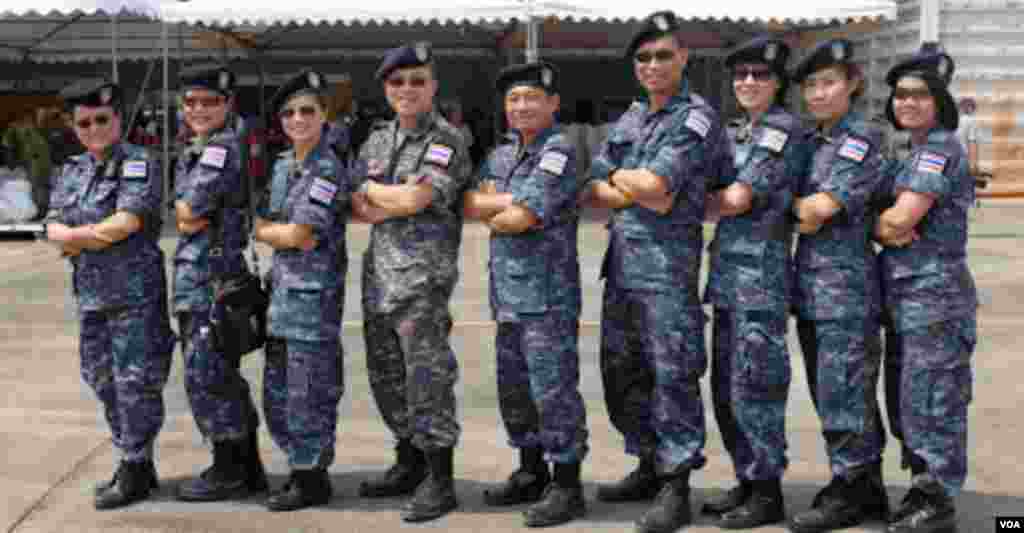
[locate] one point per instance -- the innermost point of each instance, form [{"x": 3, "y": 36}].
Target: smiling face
[
  {"x": 303, "y": 118},
  {"x": 913, "y": 104},
  {"x": 530, "y": 109},
  {"x": 828, "y": 93},
  {"x": 410, "y": 91},
  {"x": 97, "y": 128},
  {"x": 755, "y": 86},
  {"x": 659, "y": 64},
  {"x": 205, "y": 110}
]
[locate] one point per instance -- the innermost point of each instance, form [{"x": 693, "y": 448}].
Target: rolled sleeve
[
  {"x": 449, "y": 184},
  {"x": 141, "y": 196},
  {"x": 853, "y": 184},
  {"x": 311, "y": 213},
  {"x": 207, "y": 189},
  {"x": 676, "y": 160}
]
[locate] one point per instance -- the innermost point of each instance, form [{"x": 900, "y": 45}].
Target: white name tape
[
  {"x": 133, "y": 169},
  {"x": 214, "y": 156},
  {"x": 554, "y": 162}
]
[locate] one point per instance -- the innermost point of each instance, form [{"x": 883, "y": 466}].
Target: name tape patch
[
  {"x": 322, "y": 191},
  {"x": 773, "y": 139},
  {"x": 854, "y": 149},
  {"x": 214, "y": 156},
  {"x": 439, "y": 154},
  {"x": 698, "y": 123},
  {"x": 931, "y": 163},
  {"x": 554, "y": 162},
  {"x": 133, "y": 169}
]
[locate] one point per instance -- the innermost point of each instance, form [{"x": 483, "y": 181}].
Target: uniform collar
[
  {"x": 844, "y": 124},
  {"x": 680, "y": 98},
  {"x": 538, "y": 142},
  {"x": 424, "y": 121}
]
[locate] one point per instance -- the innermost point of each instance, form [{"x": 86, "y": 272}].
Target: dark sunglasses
[
  {"x": 306, "y": 111},
  {"x": 415, "y": 82},
  {"x": 759, "y": 74},
  {"x": 661, "y": 55},
  {"x": 906, "y": 94},
  {"x": 100, "y": 120},
  {"x": 206, "y": 101}
]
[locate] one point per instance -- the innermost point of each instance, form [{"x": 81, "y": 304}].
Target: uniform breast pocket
[{"x": 105, "y": 194}]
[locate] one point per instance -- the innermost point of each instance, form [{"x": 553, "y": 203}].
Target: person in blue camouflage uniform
[
  {"x": 929, "y": 293},
  {"x": 837, "y": 300},
  {"x": 211, "y": 198},
  {"x": 526, "y": 194},
  {"x": 105, "y": 218},
  {"x": 654, "y": 170},
  {"x": 303, "y": 218},
  {"x": 417, "y": 168},
  {"x": 750, "y": 284}
]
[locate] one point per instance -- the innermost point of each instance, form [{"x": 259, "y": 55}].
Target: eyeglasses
[
  {"x": 759, "y": 74},
  {"x": 100, "y": 120},
  {"x": 661, "y": 56},
  {"x": 416, "y": 82},
  {"x": 911, "y": 94},
  {"x": 192, "y": 102},
  {"x": 306, "y": 111}
]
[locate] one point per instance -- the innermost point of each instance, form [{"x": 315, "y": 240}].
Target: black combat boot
[
  {"x": 639, "y": 485},
  {"x": 925, "y": 509},
  {"x": 402, "y": 478},
  {"x": 305, "y": 488},
  {"x": 255, "y": 475},
  {"x": 524, "y": 485},
  {"x": 225, "y": 479},
  {"x": 844, "y": 503},
  {"x": 671, "y": 508},
  {"x": 764, "y": 506},
  {"x": 107, "y": 485},
  {"x": 562, "y": 500},
  {"x": 732, "y": 499},
  {"x": 435, "y": 497},
  {"x": 133, "y": 482}
]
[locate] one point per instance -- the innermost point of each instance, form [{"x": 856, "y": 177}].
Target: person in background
[{"x": 968, "y": 134}]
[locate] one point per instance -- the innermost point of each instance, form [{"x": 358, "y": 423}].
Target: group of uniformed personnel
[{"x": 668, "y": 165}]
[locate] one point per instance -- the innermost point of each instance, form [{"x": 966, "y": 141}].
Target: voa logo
[{"x": 1008, "y": 524}]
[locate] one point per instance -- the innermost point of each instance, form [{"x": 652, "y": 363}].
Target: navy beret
[
  {"x": 926, "y": 62},
  {"x": 542, "y": 75},
  {"x": 655, "y": 26},
  {"x": 769, "y": 50},
  {"x": 93, "y": 92},
  {"x": 212, "y": 77},
  {"x": 936, "y": 70},
  {"x": 408, "y": 55},
  {"x": 824, "y": 55},
  {"x": 306, "y": 81}
]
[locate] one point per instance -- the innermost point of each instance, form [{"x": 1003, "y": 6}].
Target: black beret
[
  {"x": 655, "y": 26},
  {"x": 927, "y": 62},
  {"x": 936, "y": 70},
  {"x": 824, "y": 55},
  {"x": 306, "y": 81},
  {"x": 542, "y": 75},
  {"x": 769, "y": 50},
  {"x": 94, "y": 92},
  {"x": 212, "y": 77},
  {"x": 408, "y": 55}
]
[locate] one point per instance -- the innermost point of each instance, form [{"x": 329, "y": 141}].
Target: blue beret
[
  {"x": 936, "y": 69},
  {"x": 212, "y": 77},
  {"x": 655, "y": 26},
  {"x": 93, "y": 92},
  {"x": 542, "y": 75},
  {"x": 408, "y": 55},
  {"x": 306, "y": 81},
  {"x": 824, "y": 55},
  {"x": 769, "y": 50}
]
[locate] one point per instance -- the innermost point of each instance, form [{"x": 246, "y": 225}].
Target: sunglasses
[
  {"x": 192, "y": 102},
  {"x": 661, "y": 56},
  {"x": 100, "y": 120},
  {"x": 759, "y": 74},
  {"x": 416, "y": 82},
  {"x": 306, "y": 111},
  {"x": 911, "y": 94}
]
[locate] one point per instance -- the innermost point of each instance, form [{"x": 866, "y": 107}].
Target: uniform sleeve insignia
[
  {"x": 133, "y": 169},
  {"x": 322, "y": 191},
  {"x": 699, "y": 123},
  {"x": 931, "y": 162},
  {"x": 214, "y": 156},
  {"x": 854, "y": 149},
  {"x": 422, "y": 54},
  {"x": 773, "y": 139},
  {"x": 661, "y": 23},
  {"x": 439, "y": 155},
  {"x": 223, "y": 80},
  {"x": 553, "y": 162},
  {"x": 838, "y": 51},
  {"x": 771, "y": 51}
]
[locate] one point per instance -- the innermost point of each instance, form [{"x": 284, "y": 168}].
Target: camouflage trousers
[
  {"x": 221, "y": 403},
  {"x": 928, "y": 386},
  {"x": 652, "y": 359},
  {"x": 538, "y": 386},
  {"x": 126, "y": 358},
  {"x": 750, "y": 377},
  {"x": 842, "y": 358},
  {"x": 303, "y": 381},
  {"x": 413, "y": 370}
]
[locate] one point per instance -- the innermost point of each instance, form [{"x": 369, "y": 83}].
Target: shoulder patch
[
  {"x": 855, "y": 149},
  {"x": 773, "y": 139},
  {"x": 322, "y": 191},
  {"x": 214, "y": 156},
  {"x": 553, "y": 162},
  {"x": 133, "y": 169},
  {"x": 439, "y": 154},
  {"x": 698, "y": 123},
  {"x": 931, "y": 162}
]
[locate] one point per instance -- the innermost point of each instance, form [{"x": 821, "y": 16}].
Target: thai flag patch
[
  {"x": 854, "y": 149},
  {"x": 439, "y": 155},
  {"x": 931, "y": 163},
  {"x": 214, "y": 156},
  {"x": 322, "y": 191},
  {"x": 697, "y": 122},
  {"x": 133, "y": 169}
]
